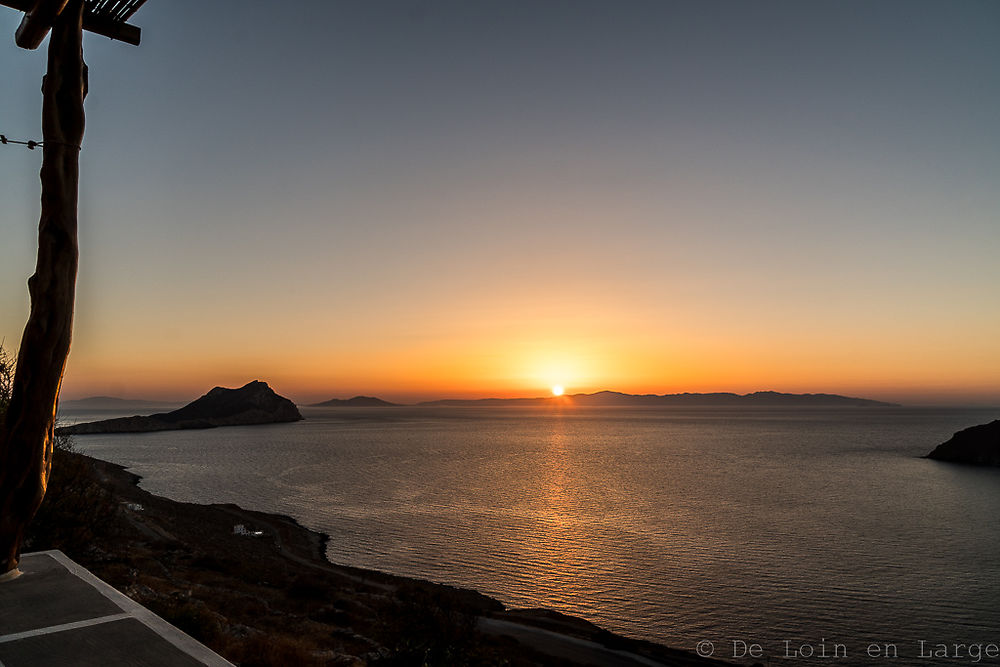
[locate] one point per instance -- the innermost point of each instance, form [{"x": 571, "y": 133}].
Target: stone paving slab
[
  {"x": 58, "y": 613},
  {"x": 47, "y": 594}
]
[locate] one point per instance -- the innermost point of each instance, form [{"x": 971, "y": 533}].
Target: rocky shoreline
[
  {"x": 976, "y": 445},
  {"x": 257, "y": 587}
]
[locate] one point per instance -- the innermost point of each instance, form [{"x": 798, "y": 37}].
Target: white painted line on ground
[
  {"x": 133, "y": 609},
  {"x": 62, "y": 628}
]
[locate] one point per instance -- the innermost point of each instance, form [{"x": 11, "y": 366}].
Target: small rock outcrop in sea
[
  {"x": 356, "y": 402},
  {"x": 978, "y": 445},
  {"x": 253, "y": 403}
]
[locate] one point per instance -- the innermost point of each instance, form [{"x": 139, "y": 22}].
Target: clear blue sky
[{"x": 424, "y": 198}]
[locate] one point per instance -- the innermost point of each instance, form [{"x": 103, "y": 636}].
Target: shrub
[
  {"x": 426, "y": 628},
  {"x": 191, "y": 616},
  {"x": 6, "y": 380},
  {"x": 259, "y": 650},
  {"x": 78, "y": 511}
]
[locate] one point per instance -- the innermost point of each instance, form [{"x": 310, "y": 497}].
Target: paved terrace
[{"x": 58, "y": 613}]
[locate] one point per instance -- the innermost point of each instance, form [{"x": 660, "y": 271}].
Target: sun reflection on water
[{"x": 559, "y": 557}]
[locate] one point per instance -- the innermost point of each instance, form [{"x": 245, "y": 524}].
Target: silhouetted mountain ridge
[
  {"x": 107, "y": 402},
  {"x": 253, "y": 403},
  {"x": 615, "y": 398}
]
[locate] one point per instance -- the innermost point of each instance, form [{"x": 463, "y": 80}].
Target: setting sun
[{"x": 558, "y": 390}]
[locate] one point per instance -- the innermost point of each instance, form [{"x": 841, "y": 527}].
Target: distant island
[
  {"x": 253, "y": 403},
  {"x": 110, "y": 403},
  {"x": 977, "y": 445},
  {"x": 356, "y": 402},
  {"x": 614, "y": 398}
]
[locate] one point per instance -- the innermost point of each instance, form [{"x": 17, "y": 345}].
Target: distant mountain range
[
  {"x": 356, "y": 402},
  {"x": 599, "y": 399},
  {"x": 614, "y": 398},
  {"x": 109, "y": 403}
]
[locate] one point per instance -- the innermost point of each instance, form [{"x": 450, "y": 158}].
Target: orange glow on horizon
[
  {"x": 508, "y": 369},
  {"x": 458, "y": 348}
]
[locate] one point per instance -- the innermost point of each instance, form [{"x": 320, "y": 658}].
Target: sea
[{"x": 765, "y": 535}]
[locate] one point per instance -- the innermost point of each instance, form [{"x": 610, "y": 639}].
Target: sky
[{"x": 432, "y": 199}]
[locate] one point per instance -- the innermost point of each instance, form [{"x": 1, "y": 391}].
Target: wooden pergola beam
[
  {"x": 37, "y": 22},
  {"x": 39, "y": 16}
]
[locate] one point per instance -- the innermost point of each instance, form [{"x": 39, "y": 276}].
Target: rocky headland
[
  {"x": 253, "y": 403},
  {"x": 977, "y": 445}
]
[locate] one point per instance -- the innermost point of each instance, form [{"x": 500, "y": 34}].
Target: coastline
[{"x": 265, "y": 594}]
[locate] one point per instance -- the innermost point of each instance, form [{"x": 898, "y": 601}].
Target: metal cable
[{"x": 32, "y": 144}]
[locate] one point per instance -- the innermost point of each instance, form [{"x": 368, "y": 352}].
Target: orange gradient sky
[{"x": 481, "y": 199}]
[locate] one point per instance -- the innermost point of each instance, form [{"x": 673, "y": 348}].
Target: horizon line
[{"x": 929, "y": 397}]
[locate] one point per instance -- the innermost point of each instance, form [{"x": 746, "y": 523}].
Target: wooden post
[{"x": 26, "y": 434}]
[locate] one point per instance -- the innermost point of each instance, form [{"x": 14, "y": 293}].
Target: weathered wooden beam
[
  {"x": 27, "y": 429},
  {"x": 28, "y": 36},
  {"x": 19, "y": 5},
  {"x": 37, "y": 22},
  {"x": 123, "y": 32}
]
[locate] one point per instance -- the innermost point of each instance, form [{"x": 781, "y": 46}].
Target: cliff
[
  {"x": 253, "y": 403},
  {"x": 978, "y": 445}
]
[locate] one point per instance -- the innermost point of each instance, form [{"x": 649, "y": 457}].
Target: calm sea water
[{"x": 676, "y": 525}]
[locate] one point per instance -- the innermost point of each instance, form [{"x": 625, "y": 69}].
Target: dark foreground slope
[
  {"x": 978, "y": 445},
  {"x": 253, "y": 403},
  {"x": 265, "y": 594}
]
